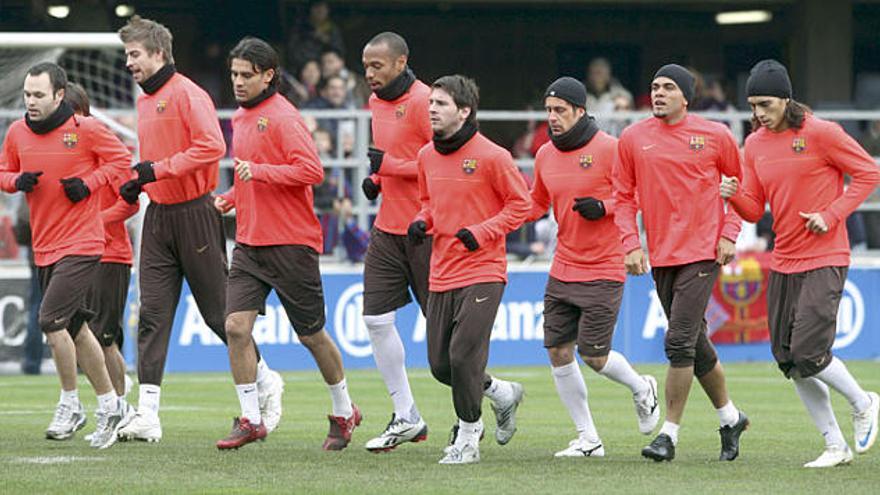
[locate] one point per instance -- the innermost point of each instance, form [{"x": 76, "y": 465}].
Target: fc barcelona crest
[
  {"x": 160, "y": 106},
  {"x": 400, "y": 111},
  {"x": 586, "y": 161},
  {"x": 262, "y": 124},
  {"x": 697, "y": 143},
  {"x": 70, "y": 139},
  {"x": 469, "y": 166},
  {"x": 799, "y": 145}
]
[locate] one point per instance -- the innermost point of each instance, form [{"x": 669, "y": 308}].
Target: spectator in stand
[
  {"x": 713, "y": 98},
  {"x": 332, "y": 91},
  {"x": 356, "y": 90},
  {"x": 354, "y": 239},
  {"x": 605, "y": 95},
  {"x": 871, "y": 139},
  {"x": 312, "y": 34}
]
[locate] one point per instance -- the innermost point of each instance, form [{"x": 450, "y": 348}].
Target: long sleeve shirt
[
  {"x": 672, "y": 173},
  {"x": 179, "y": 132},
  {"x": 275, "y": 207},
  {"x": 801, "y": 170},
  {"x": 400, "y": 128},
  {"x": 586, "y": 250},
  {"x": 114, "y": 212},
  {"x": 479, "y": 188},
  {"x": 81, "y": 147}
]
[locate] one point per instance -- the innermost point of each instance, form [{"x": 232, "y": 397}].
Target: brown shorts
[
  {"x": 292, "y": 270},
  {"x": 65, "y": 285},
  {"x": 107, "y": 298},
  {"x": 392, "y": 267},
  {"x": 802, "y": 315},
  {"x": 459, "y": 324},
  {"x": 684, "y": 293},
  {"x": 582, "y": 312}
]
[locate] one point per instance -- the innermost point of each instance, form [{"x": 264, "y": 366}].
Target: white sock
[
  {"x": 341, "y": 400},
  {"x": 250, "y": 402},
  {"x": 728, "y": 414},
  {"x": 618, "y": 369},
  {"x": 69, "y": 397},
  {"x": 148, "y": 398},
  {"x": 391, "y": 361},
  {"x": 817, "y": 399},
  {"x": 670, "y": 429},
  {"x": 838, "y": 377},
  {"x": 498, "y": 391},
  {"x": 262, "y": 370},
  {"x": 108, "y": 402},
  {"x": 573, "y": 393},
  {"x": 470, "y": 432}
]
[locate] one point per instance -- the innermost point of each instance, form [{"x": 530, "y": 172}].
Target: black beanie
[
  {"x": 769, "y": 78},
  {"x": 682, "y": 77},
  {"x": 570, "y": 90}
]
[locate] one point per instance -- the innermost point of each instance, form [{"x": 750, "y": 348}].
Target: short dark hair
[
  {"x": 57, "y": 75},
  {"x": 259, "y": 53},
  {"x": 323, "y": 83},
  {"x": 330, "y": 49},
  {"x": 794, "y": 115},
  {"x": 395, "y": 42},
  {"x": 463, "y": 90},
  {"x": 76, "y": 96}
]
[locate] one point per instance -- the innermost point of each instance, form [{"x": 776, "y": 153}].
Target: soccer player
[
  {"x": 278, "y": 238},
  {"x": 57, "y": 159},
  {"x": 180, "y": 145},
  {"x": 394, "y": 264},
  {"x": 585, "y": 287},
  {"x": 797, "y": 162},
  {"x": 107, "y": 297},
  {"x": 472, "y": 196},
  {"x": 669, "y": 166}
]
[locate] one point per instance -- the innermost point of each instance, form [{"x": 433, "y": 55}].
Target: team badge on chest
[
  {"x": 697, "y": 143},
  {"x": 799, "y": 145},
  {"x": 262, "y": 124},
  {"x": 400, "y": 111},
  {"x": 161, "y": 105},
  {"x": 70, "y": 139},
  {"x": 586, "y": 161},
  {"x": 469, "y": 166}
]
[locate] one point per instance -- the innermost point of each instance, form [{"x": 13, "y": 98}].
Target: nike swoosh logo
[
  {"x": 479, "y": 300},
  {"x": 599, "y": 347},
  {"x": 588, "y": 453},
  {"x": 202, "y": 249},
  {"x": 702, "y": 274},
  {"x": 646, "y": 148},
  {"x": 863, "y": 442},
  {"x": 59, "y": 321}
]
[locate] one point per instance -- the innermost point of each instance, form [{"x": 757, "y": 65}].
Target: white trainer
[
  {"x": 270, "y": 392},
  {"x": 648, "y": 407},
  {"x": 145, "y": 426},
  {"x": 505, "y": 415},
  {"x": 461, "y": 453},
  {"x": 107, "y": 426},
  {"x": 67, "y": 420},
  {"x": 581, "y": 447},
  {"x": 833, "y": 456},
  {"x": 865, "y": 424},
  {"x": 397, "y": 432}
]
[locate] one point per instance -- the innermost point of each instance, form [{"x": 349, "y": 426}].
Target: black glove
[
  {"x": 26, "y": 181},
  {"x": 370, "y": 188},
  {"x": 75, "y": 189},
  {"x": 376, "y": 156},
  {"x": 467, "y": 238},
  {"x": 145, "y": 172},
  {"x": 130, "y": 191},
  {"x": 417, "y": 232},
  {"x": 589, "y": 208}
]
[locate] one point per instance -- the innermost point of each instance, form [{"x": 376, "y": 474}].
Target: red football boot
[
  {"x": 243, "y": 433},
  {"x": 340, "y": 430}
]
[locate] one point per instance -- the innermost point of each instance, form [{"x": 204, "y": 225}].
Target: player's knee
[
  {"x": 596, "y": 363},
  {"x": 560, "y": 356},
  {"x": 680, "y": 356},
  {"x": 378, "y": 324},
  {"x": 315, "y": 340},
  {"x": 237, "y": 327},
  {"x": 442, "y": 372},
  {"x": 703, "y": 367}
]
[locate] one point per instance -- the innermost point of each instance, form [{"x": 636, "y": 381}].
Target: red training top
[
  {"x": 81, "y": 147},
  {"x": 672, "y": 173},
  {"x": 179, "y": 132},
  {"x": 114, "y": 212},
  {"x": 801, "y": 170},
  {"x": 587, "y": 249},
  {"x": 400, "y": 128},
  {"x": 275, "y": 207},
  {"x": 477, "y": 187}
]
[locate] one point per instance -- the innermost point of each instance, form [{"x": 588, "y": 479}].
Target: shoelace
[{"x": 63, "y": 414}]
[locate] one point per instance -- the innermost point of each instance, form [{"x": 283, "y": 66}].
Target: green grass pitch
[{"x": 197, "y": 410}]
